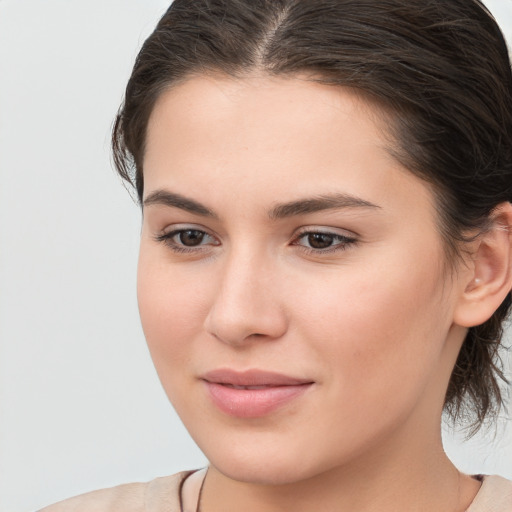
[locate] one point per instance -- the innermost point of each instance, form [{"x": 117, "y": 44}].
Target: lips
[{"x": 252, "y": 393}]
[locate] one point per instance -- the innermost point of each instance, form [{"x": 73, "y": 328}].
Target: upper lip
[{"x": 252, "y": 377}]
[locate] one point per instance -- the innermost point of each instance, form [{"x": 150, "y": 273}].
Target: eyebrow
[
  {"x": 279, "y": 211},
  {"x": 166, "y": 198},
  {"x": 317, "y": 204}
]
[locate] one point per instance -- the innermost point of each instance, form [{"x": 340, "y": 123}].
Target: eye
[
  {"x": 186, "y": 239},
  {"x": 324, "y": 241},
  {"x": 320, "y": 240},
  {"x": 190, "y": 237}
]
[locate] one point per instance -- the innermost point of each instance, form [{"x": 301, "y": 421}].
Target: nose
[{"x": 246, "y": 306}]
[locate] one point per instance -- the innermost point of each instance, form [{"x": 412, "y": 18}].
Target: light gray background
[{"x": 80, "y": 404}]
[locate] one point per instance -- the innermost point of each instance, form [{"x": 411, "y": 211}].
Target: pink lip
[{"x": 263, "y": 392}]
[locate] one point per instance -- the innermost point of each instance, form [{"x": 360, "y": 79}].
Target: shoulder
[
  {"x": 161, "y": 494},
  {"x": 495, "y": 495}
]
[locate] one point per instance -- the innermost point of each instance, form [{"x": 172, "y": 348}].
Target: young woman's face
[{"x": 292, "y": 281}]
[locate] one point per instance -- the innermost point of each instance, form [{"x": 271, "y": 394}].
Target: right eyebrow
[{"x": 174, "y": 200}]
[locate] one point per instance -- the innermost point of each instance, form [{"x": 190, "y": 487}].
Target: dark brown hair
[{"x": 441, "y": 67}]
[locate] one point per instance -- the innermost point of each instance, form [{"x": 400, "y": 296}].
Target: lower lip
[{"x": 253, "y": 403}]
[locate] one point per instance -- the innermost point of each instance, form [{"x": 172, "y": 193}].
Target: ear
[{"x": 489, "y": 277}]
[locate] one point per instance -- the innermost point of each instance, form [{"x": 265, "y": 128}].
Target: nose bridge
[{"x": 247, "y": 300}]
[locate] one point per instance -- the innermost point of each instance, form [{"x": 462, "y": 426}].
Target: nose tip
[
  {"x": 245, "y": 309},
  {"x": 235, "y": 340},
  {"x": 237, "y": 331}
]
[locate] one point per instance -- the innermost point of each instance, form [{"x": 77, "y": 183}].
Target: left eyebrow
[{"x": 316, "y": 204}]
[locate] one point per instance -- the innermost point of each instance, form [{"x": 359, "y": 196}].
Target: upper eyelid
[
  {"x": 327, "y": 230},
  {"x": 341, "y": 237},
  {"x": 173, "y": 232},
  {"x": 173, "y": 229}
]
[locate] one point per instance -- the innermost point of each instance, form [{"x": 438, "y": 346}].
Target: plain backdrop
[{"x": 80, "y": 404}]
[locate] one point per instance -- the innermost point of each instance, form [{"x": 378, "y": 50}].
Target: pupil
[
  {"x": 320, "y": 240},
  {"x": 191, "y": 237}
]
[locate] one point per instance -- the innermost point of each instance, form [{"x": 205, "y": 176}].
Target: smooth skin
[{"x": 242, "y": 267}]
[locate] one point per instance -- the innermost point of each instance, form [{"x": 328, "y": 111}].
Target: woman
[{"x": 325, "y": 259}]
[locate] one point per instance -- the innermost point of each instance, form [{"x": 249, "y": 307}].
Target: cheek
[
  {"x": 379, "y": 329},
  {"x": 172, "y": 307}
]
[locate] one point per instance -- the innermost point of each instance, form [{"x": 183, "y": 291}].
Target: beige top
[{"x": 163, "y": 495}]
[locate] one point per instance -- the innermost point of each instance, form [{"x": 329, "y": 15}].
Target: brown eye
[
  {"x": 324, "y": 242},
  {"x": 187, "y": 240},
  {"x": 320, "y": 240},
  {"x": 190, "y": 237}
]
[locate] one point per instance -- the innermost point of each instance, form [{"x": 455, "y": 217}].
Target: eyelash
[
  {"x": 167, "y": 239},
  {"x": 344, "y": 241}
]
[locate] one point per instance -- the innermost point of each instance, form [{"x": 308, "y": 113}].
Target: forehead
[
  {"x": 290, "y": 106},
  {"x": 272, "y": 137}
]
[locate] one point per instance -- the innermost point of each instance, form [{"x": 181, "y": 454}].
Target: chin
[
  {"x": 266, "y": 465},
  {"x": 268, "y": 473}
]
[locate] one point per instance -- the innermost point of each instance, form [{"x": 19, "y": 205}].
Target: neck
[{"x": 418, "y": 477}]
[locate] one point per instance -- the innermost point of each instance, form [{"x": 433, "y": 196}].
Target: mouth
[
  {"x": 253, "y": 393},
  {"x": 233, "y": 386}
]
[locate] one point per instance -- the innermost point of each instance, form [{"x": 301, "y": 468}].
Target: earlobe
[{"x": 490, "y": 277}]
